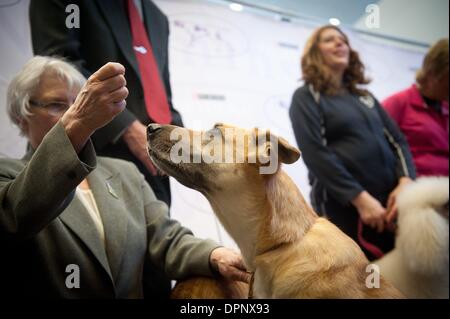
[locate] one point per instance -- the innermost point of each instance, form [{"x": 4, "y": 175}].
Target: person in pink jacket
[{"x": 421, "y": 112}]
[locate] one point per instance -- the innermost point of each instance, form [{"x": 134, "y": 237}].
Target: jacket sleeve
[
  {"x": 172, "y": 247},
  {"x": 405, "y": 163},
  {"x": 321, "y": 161},
  {"x": 33, "y": 194},
  {"x": 51, "y": 37}
]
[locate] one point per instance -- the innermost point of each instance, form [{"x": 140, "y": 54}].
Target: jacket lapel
[
  {"x": 115, "y": 14},
  {"x": 107, "y": 189},
  {"x": 78, "y": 220}
]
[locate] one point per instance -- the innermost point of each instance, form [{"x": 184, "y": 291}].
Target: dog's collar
[
  {"x": 268, "y": 250},
  {"x": 252, "y": 278},
  {"x": 250, "y": 288}
]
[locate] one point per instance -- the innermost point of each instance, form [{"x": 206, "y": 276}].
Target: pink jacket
[{"x": 425, "y": 129}]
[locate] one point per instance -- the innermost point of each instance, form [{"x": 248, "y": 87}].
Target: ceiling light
[
  {"x": 335, "y": 21},
  {"x": 236, "y": 7}
]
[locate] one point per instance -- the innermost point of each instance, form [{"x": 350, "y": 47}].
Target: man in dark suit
[{"x": 106, "y": 34}]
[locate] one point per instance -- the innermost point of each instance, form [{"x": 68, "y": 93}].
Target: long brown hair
[{"x": 317, "y": 73}]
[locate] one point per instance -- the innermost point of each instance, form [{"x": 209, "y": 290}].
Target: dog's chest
[{"x": 261, "y": 287}]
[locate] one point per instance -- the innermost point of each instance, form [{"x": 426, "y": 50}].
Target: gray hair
[{"x": 26, "y": 82}]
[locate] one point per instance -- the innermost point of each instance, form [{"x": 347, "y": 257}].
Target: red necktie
[{"x": 154, "y": 92}]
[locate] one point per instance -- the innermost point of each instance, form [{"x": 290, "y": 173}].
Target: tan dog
[
  {"x": 209, "y": 288},
  {"x": 292, "y": 252}
]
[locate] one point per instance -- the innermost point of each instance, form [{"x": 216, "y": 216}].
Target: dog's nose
[{"x": 153, "y": 128}]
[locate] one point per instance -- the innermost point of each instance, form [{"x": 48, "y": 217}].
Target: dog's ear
[
  {"x": 223, "y": 125},
  {"x": 287, "y": 153}
]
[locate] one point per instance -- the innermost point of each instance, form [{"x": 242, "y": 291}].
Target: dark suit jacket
[
  {"x": 104, "y": 36},
  {"x": 44, "y": 228}
]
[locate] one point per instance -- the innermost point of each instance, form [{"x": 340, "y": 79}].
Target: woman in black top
[{"x": 357, "y": 158}]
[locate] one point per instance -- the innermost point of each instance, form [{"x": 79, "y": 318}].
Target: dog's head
[{"x": 224, "y": 155}]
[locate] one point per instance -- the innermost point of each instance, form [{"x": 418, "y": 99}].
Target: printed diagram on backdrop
[
  {"x": 207, "y": 36},
  {"x": 194, "y": 200},
  {"x": 377, "y": 66},
  {"x": 383, "y": 63},
  {"x": 8, "y": 3},
  {"x": 225, "y": 67},
  {"x": 276, "y": 110}
]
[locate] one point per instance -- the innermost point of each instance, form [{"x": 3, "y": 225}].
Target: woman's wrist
[
  {"x": 404, "y": 180},
  {"x": 77, "y": 133},
  {"x": 360, "y": 199}
]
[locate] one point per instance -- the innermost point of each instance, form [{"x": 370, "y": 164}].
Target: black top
[{"x": 357, "y": 155}]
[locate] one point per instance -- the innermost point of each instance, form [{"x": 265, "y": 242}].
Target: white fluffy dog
[{"x": 418, "y": 266}]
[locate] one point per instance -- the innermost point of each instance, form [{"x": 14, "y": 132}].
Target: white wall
[{"x": 15, "y": 50}]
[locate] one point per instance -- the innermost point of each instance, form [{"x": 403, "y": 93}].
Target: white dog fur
[{"x": 418, "y": 266}]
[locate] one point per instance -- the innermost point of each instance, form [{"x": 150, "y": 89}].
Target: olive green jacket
[{"x": 48, "y": 240}]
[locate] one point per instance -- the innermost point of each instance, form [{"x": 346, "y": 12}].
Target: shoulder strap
[
  {"x": 324, "y": 195},
  {"x": 316, "y": 96}
]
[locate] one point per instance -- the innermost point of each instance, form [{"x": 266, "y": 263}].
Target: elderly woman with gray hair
[{"x": 73, "y": 225}]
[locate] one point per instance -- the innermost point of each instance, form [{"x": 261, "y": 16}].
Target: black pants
[
  {"x": 347, "y": 218},
  {"x": 156, "y": 283}
]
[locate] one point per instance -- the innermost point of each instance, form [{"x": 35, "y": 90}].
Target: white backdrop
[{"x": 238, "y": 68}]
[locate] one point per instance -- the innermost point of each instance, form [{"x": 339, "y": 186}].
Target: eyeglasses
[{"x": 52, "y": 108}]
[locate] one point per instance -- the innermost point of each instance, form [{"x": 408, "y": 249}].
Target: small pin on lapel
[
  {"x": 111, "y": 190},
  {"x": 368, "y": 101}
]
